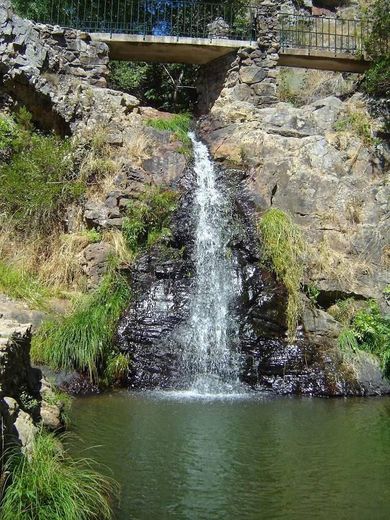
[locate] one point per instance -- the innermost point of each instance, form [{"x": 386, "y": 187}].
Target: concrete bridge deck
[{"x": 201, "y": 51}]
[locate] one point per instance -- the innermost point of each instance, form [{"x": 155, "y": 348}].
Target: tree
[{"x": 163, "y": 86}]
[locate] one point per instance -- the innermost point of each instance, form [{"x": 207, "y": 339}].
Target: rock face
[
  {"x": 332, "y": 183},
  {"x": 163, "y": 282},
  {"x": 22, "y": 407}
]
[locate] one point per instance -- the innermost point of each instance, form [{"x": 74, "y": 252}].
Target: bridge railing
[
  {"x": 336, "y": 35},
  {"x": 206, "y": 19},
  {"x": 180, "y": 18}
]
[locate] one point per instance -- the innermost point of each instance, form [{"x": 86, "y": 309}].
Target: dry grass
[
  {"x": 121, "y": 252},
  {"x": 354, "y": 210},
  {"x": 139, "y": 148},
  {"x": 326, "y": 262},
  {"x": 54, "y": 260},
  {"x": 99, "y": 164},
  {"x": 355, "y": 121},
  {"x": 301, "y": 87}
]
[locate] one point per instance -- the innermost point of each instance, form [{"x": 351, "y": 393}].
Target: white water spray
[{"x": 211, "y": 362}]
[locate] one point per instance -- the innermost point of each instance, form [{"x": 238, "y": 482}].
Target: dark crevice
[{"x": 274, "y": 190}]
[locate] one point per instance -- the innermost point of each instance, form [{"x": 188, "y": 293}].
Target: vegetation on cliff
[
  {"x": 47, "y": 484},
  {"x": 36, "y": 183},
  {"x": 282, "y": 245},
  {"x": 148, "y": 218},
  {"x": 365, "y": 328}
]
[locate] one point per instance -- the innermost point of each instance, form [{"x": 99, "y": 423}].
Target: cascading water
[{"x": 211, "y": 363}]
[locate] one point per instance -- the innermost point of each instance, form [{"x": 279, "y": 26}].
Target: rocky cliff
[
  {"x": 27, "y": 401},
  {"x": 321, "y": 162}
]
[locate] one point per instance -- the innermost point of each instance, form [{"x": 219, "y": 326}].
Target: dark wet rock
[{"x": 77, "y": 384}]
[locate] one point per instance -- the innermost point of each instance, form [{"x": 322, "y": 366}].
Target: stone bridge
[
  {"x": 199, "y": 32},
  {"x": 50, "y": 67}
]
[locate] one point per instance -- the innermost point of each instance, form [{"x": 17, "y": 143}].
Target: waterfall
[{"x": 211, "y": 363}]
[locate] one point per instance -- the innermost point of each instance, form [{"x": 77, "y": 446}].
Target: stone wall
[{"x": 45, "y": 67}]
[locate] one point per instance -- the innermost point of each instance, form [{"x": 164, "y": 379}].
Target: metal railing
[
  {"x": 203, "y": 19},
  {"x": 336, "y": 35},
  {"x": 180, "y": 18}
]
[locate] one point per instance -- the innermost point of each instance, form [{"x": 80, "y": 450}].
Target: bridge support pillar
[{"x": 252, "y": 76}]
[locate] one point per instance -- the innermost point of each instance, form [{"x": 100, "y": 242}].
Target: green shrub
[
  {"x": 348, "y": 341},
  {"x": 7, "y": 132},
  {"x": 180, "y": 126},
  {"x": 377, "y": 47},
  {"x": 283, "y": 249},
  {"x": 159, "y": 85},
  {"x": 147, "y": 220},
  {"x": 36, "y": 185},
  {"x": 47, "y": 484},
  {"x": 21, "y": 285},
  {"x": 82, "y": 341},
  {"x": 377, "y": 78},
  {"x": 369, "y": 331},
  {"x": 62, "y": 400}
]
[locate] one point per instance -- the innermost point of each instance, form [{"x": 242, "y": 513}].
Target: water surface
[{"x": 178, "y": 457}]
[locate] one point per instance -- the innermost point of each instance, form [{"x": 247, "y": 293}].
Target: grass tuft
[
  {"x": 283, "y": 249},
  {"x": 47, "y": 484},
  {"x": 356, "y": 121},
  {"x": 117, "y": 368},
  {"x": 82, "y": 340},
  {"x": 180, "y": 126}
]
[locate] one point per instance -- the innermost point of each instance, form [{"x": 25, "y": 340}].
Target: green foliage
[
  {"x": 344, "y": 310},
  {"x": 117, "y": 368},
  {"x": 82, "y": 341},
  {"x": 93, "y": 236},
  {"x": 28, "y": 403},
  {"x": 169, "y": 87},
  {"x": 62, "y": 400},
  {"x": 148, "y": 218},
  {"x": 36, "y": 184},
  {"x": 7, "y": 132},
  {"x": 179, "y": 125},
  {"x": 377, "y": 79},
  {"x": 358, "y": 123},
  {"x": 377, "y": 46},
  {"x": 47, "y": 484},
  {"x": 312, "y": 292},
  {"x": 22, "y": 285},
  {"x": 283, "y": 249},
  {"x": 369, "y": 331},
  {"x": 348, "y": 341}
]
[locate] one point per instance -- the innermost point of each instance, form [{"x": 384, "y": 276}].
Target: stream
[{"x": 240, "y": 458}]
